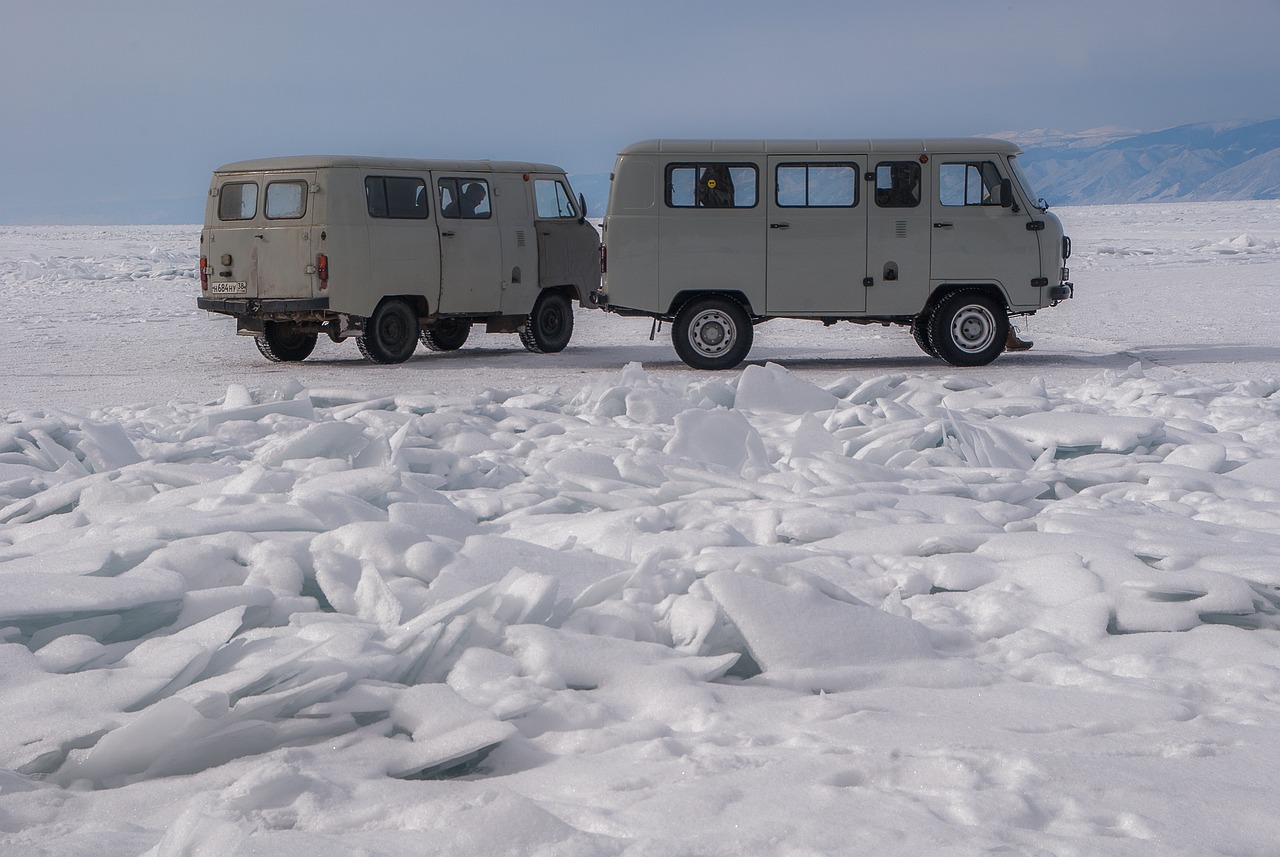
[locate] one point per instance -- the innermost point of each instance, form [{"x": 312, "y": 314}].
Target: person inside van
[
  {"x": 715, "y": 188},
  {"x": 470, "y": 200}
]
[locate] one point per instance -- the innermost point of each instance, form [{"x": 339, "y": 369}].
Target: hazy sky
[{"x": 118, "y": 111}]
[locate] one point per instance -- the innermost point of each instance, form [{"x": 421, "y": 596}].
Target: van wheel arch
[{"x": 682, "y": 298}]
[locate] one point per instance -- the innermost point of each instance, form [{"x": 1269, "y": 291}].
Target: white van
[
  {"x": 395, "y": 251},
  {"x": 943, "y": 236}
]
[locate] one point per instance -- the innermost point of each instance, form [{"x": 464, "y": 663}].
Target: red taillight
[
  {"x": 204, "y": 274},
  {"x": 322, "y": 270}
]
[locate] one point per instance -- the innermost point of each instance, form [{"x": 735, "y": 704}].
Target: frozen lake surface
[{"x": 845, "y": 600}]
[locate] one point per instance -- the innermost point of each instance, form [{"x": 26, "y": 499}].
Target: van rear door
[
  {"x": 284, "y": 262},
  {"x": 817, "y": 236}
]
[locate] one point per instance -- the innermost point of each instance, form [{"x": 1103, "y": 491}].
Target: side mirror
[
  {"x": 582, "y": 207},
  {"x": 1006, "y": 193}
]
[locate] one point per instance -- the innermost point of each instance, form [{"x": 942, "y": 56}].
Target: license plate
[{"x": 228, "y": 288}]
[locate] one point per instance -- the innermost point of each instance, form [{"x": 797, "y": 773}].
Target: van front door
[
  {"x": 817, "y": 236},
  {"x": 976, "y": 239},
  {"x": 470, "y": 244}
]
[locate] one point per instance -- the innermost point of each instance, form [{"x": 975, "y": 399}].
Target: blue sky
[{"x": 118, "y": 111}]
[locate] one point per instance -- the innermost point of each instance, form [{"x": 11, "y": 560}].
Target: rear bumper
[{"x": 254, "y": 307}]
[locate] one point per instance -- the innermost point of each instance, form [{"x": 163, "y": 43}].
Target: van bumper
[{"x": 258, "y": 308}]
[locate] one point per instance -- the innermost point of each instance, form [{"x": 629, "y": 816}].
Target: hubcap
[
  {"x": 392, "y": 330},
  {"x": 973, "y": 329},
  {"x": 711, "y": 333},
  {"x": 551, "y": 321}
]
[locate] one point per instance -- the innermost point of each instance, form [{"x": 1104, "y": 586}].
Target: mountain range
[{"x": 1205, "y": 161}]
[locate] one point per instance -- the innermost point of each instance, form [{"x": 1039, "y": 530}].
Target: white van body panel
[{"x": 853, "y": 230}]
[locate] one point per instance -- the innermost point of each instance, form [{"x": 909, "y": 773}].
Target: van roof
[
  {"x": 956, "y": 145},
  {"x": 316, "y": 162}
]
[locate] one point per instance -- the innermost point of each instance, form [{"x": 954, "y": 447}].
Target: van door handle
[
  {"x": 779, "y": 225},
  {"x": 943, "y": 225},
  {"x": 446, "y": 234}
]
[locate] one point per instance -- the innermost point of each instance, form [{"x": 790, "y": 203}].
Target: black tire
[
  {"x": 284, "y": 343},
  {"x": 920, "y": 332},
  {"x": 447, "y": 334},
  {"x": 969, "y": 328},
  {"x": 712, "y": 333},
  {"x": 391, "y": 333},
  {"x": 550, "y": 325}
]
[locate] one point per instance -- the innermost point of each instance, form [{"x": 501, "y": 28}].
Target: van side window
[
  {"x": 711, "y": 185},
  {"x": 552, "y": 199},
  {"x": 465, "y": 198},
  {"x": 817, "y": 185},
  {"x": 286, "y": 200},
  {"x": 396, "y": 196},
  {"x": 238, "y": 201},
  {"x": 969, "y": 184},
  {"x": 898, "y": 184}
]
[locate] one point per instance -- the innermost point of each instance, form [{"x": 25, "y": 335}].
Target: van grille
[
  {"x": 900, "y": 229},
  {"x": 519, "y": 237}
]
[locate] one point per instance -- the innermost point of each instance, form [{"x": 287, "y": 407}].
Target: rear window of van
[
  {"x": 286, "y": 200},
  {"x": 238, "y": 201}
]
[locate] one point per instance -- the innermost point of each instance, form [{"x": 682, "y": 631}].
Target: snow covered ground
[{"x": 846, "y": 600}]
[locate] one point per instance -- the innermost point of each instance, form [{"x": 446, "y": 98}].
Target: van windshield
[{"x": 1027, "y": 189}]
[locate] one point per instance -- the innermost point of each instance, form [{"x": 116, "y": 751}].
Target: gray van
[
  {"x": 943, "y": 236},
  {"x": 393, "y": 252}
]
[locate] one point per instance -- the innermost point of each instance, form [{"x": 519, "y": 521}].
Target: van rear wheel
[
  {"x": 712, "y": 333},
  {"x": 969, "y": 328},
  {"x": 446, "y": 335},
  {"x": 284, "y": 343},
  {"x": 391, "y": 333},
  {"x": 550, "y": 325}
]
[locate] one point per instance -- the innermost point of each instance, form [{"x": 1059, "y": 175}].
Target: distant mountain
[{"x": 1190, "y": 162}]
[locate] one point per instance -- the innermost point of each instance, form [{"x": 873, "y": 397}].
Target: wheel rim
[
  {"x": 973, "y": 329},
  {"x": 712, "y": 333},
  {"x": 291, "y": 340},
  {"x": 552, "y": 321},
  {"x": 392, "y": 330}
]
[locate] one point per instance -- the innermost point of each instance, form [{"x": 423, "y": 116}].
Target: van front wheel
[
  {"x": 549, "y": 326},
  {"x": 712, "y": 333},
  {"x": 968, "y": 328},
  {"x": 284, "y": 343},
  {"x": 391, "y": 333}
]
